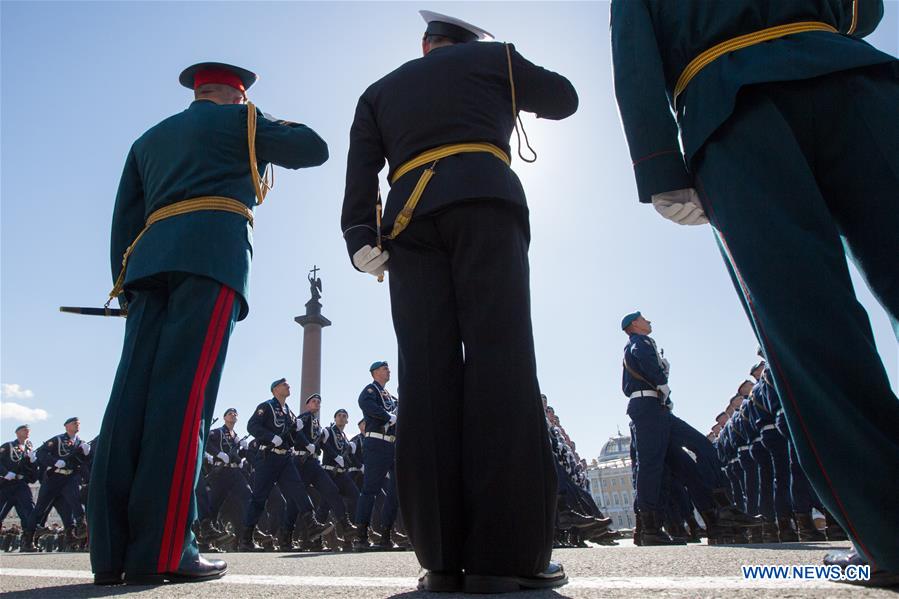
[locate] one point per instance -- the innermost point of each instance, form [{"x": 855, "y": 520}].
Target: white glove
[
  {"x": 310, "y": 448},
  {"x": 86, "y": 448},
  {"x": 665, "y": 390},
  {"x": 371, "y": 260},
  {"x": 60, "y": 464},
  {"x": 224, "y": 457},
  {"x": 325, "y": 434},
  {"x": 392, "y": 419},
  {"x": 339, "y": 460},
  {"x": 11, "y": 475},
  {"x": 244, "y": 443},
  {"x": 208, "y": 457},
  {"x": 353, "y": 446},
  {"x": 32, "y": 456},
  {"x": 681, "y": 206},
  {"x": 666, "y": 365},
  {"x": 276, "y": 440},
  {"x": 362, "y": 469}
]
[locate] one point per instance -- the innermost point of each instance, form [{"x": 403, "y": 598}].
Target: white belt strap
[
  {"x": 645, "y": 393},
  {"x": 768, "y": 427},
  {"x": 388, "y": 438}
]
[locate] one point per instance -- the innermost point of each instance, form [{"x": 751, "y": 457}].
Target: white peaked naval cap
[{"x": 452, "y": 27}]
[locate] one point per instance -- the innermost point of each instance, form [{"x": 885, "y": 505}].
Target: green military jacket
[
  {"x": 202, "y": 151},
  {"x": 653, "y": 40}
]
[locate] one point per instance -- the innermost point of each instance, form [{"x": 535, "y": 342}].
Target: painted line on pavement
[{"x": 607, "y": 582}]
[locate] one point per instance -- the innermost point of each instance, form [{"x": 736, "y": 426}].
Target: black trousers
[{"x": 475, "y": 474}]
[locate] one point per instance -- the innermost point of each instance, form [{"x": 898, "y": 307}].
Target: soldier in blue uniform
[
  {"x": 181, "y": 247},
  {"x": 275, "y": 427},
  {"x": 338, "y": 458},
  {"x": 225, "y": 479},
  {"x": 776, "y": 445},
  {"x": 355, "y": 470},
  {"x": 62, "y": 457},
  {"x": 459, "y": 275},
  {"x": 309, "y": 438},
  {"x": 660, "y": 437},
  {"x": 379, "y": 409},
  {"x": 17, "y": 470},
  {"x": 752, "y": 84}
]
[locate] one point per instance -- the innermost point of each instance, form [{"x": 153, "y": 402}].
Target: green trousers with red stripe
[
  {"x": 147, "y": 459},
  {"x": 798, "y": 168}
]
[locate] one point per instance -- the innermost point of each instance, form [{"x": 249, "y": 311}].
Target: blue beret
[
  {"x": 276, "y": 383},
  {"x": 71, "y": 420},
  {"x": 341, "y": 411},
  {"x": 230, "y": 411},
  {"x": 377, "y": 365},
  {"x": 627, "y": 320},
  {"x": 21, "y": 426},
  {"x": 313, "y": 396}
]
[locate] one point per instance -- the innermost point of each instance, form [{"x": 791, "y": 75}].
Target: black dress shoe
[
  {"x": 199, "y": 571},
  {"x": 851, "y": 557},
  {"x": 105, "y": 579},
  {"x": 553, "y": 576},
  {"x": 440, "y": 582}
]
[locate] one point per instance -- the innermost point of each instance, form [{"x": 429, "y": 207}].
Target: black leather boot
[
  {"x": 785, "y": 530},
  {"x": 638, "y": 528},
  {"x": 696, "y": 531},
  {"x": 285, "y": 540},
  {"x": 360, "y": 543},
  {"x": 653, "y": 533},
  {"x": 246, "y": 543},
  {"x": 807, "y": 530},
  {"x": 28, "y": 542},
  {"x": 729, "y": 515},
  {"x": 208, "y": 532},
  {"x": 314, "y": 528}
]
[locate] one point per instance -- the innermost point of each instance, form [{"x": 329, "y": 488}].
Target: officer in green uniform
[
  {"x": 183, "y": 221},
  {"x": 790, "y": 139}
]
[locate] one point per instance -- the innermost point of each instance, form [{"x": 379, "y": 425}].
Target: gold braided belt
[
  {"x": 433, "y": 156},
  {"x": 740, "y": 42},
  {"x": 261, "y": 186}
]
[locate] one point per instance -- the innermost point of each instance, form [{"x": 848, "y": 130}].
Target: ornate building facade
[{"x": 611, "y": 481}]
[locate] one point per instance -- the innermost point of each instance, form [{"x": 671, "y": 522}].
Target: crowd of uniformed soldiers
[
  {"x": 62, "y": 464},
  {"x": 757, "y": 455}
]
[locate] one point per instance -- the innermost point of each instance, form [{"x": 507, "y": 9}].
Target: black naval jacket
[
  {"x": 269, "y": 420},
  {"x": 335, "y": 443},
  {"x": 14, "y": 458},
  {"x": 222, "y": 440},
  {"x": 61, "y": 447},
  {"x": 309, "y": 432},
  {"x": 378, "y": 405},
  {"x": 454, "y": 94}
]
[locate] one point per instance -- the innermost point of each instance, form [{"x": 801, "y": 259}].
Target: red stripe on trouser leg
[
  {"x": 194, "y": 439},
  {"x": 781, "y": 376},
  {"x": 178, "y": 474}
]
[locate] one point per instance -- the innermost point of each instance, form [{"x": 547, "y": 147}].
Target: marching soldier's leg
[
  {"x": 777, "y": 446},
  {"x": 510, "y": 506},
  {"x": 842, "y": 414},
  {"x": 184, "y": 382},
  {"x": 119, "y": 443},
  {"x": 429, "y": 431}
]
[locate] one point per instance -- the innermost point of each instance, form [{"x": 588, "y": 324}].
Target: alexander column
[{"x": 312, "y": 323}]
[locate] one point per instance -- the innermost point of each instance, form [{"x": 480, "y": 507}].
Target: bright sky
[{"x": 81, "y": 81}]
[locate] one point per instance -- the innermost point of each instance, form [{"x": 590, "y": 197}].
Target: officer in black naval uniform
[
  {"x": 225, "y": 477},
  {"x": 17, "y": 469},
  {"x": 459, "y": 275},
  {"x": 379, "y": 408},
  {"x": 274, "y": 426},
  {"x": 62, "y": 457}
]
